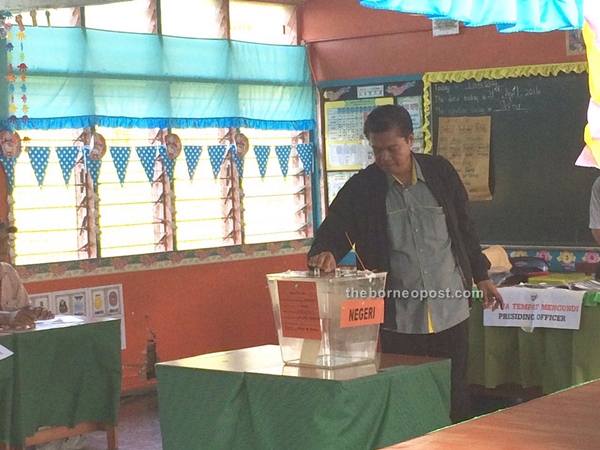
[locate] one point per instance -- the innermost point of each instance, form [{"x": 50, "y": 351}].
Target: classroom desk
[
  {"x": 247, "y": 399},
  {"x": 67, "y": 377},
  {"x": 549, "y": 358},
  {"x": 566, "y": 420}
]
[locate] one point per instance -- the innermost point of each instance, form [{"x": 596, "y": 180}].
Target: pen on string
[{"x": 353, "y": 246}]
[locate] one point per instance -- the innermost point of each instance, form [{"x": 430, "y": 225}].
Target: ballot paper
[{"x": 4, "y": 352}]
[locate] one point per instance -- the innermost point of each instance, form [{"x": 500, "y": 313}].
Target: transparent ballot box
[{"x": 327, "y": 320}]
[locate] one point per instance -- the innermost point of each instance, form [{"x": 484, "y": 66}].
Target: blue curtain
[
  {"x": 509, "y": 15},
  {"x": 81, "y": 77}
]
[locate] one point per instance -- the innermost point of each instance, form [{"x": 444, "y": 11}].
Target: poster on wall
[
  {"x": 335, "y": 181},
  {"x": 414, "y": 106},
  {"x": 345, "y": 111},
  {"x": 465, "y": 142},
  {"x": 96, "y": 302}
]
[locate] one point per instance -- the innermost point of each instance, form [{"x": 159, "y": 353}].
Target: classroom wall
[{"x": 348, "y": 41}]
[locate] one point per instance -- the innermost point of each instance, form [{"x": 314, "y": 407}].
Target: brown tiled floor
[{"x": 139, "y": 428}]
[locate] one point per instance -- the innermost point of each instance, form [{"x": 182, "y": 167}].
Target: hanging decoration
[
  {"x": 10, "y": 144},
  {"x": 120, "y": 157},
  {"x": 168, "y": 160},
  {"x": 508, "y": 15},
  {"x": 239, "y": 160},
  {"x": 283, "y": 155},
  {"x": 192, "y": 156},
  {"x": 67, "y": 158},
  {"x": 16, "y": 71},
  {"x": 262, "y": 153},
  {"x": 216, "y": 154},
  {"x": 305, "y": 152},
  {"x": 590, "y": 156},
  {"x": 147, "y": 156},
  {"x": 38, "y": 157},
  {"x": 92, "y": 164}
]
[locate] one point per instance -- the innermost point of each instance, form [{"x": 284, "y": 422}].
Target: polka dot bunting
[
  {"x": 216, "y": 154},
  {"x": 38, "y": 157},
  {"x": 168, "y": 162},
  {"x": 67, "y": 157},
  {"x": 283, "y": 155},
  {"x": 305, "y": 151},
  {"x": 120, "y": 157},
  {"x": 262, "y": 157},
  {"x": 239, "y": 161},
  {"x": 9, "y": 169},
  {"x": 147, "y": 157},
  {"x": 92, "y": 165},
  {"x": 192, "y": 155}
]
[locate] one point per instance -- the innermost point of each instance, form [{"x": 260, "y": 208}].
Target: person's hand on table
[
  {"x": 22, "y": 319},
  {"x": 491, "y": 297},
  {"x": 324, "y": 261},
  {"x": 42, "y": 313}
]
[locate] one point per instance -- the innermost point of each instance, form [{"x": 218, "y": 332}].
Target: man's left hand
[
  {"x": 491, "y": 297},
  {"x": 42, "y": 313}
]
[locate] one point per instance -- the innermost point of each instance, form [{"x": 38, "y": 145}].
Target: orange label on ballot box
[
  {"x": 299, "y": 307},
  {"x": 361, "y": 312}
]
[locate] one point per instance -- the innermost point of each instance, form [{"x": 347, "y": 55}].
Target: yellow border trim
[{"x": 544, "y": 70}]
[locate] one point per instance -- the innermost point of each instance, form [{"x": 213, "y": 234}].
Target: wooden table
[
  {"x": 566, "y": 420},
  {"x": 66, "y": 377},
  {"x": 248, "y": 399}
]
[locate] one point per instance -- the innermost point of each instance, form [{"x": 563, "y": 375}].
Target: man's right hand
[
  {"x": 324, "y": 261},
  {"x": 22, "y": 318}
]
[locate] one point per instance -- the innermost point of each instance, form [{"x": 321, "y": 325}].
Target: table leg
[{"x": 112, "y": 437}]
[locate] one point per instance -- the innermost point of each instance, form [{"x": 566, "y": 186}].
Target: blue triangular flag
[
  {"x": 283, "y": 155},
  {"x": 305, "y": 152},
  {"x": 262, "y": 156},
  {"x": 216, "y": 154},
  {"x": 9, "y": 169},
  {"x": 92, "y": 165},
  {"x": 120, "y": 157},
  {"x": 239, "y": 161},
  {"x": 67, "y": 158},
  {"x": 38, "y": 156},
  {"x": 147, "y": 157},
  {"x": 192, "y": 155},
  {"x": 168, "y": 162}
]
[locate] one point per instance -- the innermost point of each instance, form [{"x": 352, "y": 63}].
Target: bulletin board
[
  {"x": 538, "y": 114},
  {"x": 345, "y": 109}
]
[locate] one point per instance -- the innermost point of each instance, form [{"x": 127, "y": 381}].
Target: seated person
[{"x": 13, "y": 296}]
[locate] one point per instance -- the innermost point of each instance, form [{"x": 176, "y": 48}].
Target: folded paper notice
[
  {"x": 4, "y": 352},
  {"x": 536, "y": 308}
]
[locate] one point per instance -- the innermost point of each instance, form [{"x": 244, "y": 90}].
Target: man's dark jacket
[{"x": 358, "y": 215}]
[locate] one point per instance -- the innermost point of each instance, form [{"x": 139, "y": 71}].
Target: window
[
  {"x": 265, "y": 23},
  {"x": 275, "y": 207},
  {"x": 108, "y": 211},
  {"x": 134, "y": 16},
  {"x": 132, "y": 215},
  {"x": 203, "y": 204},
  {"x": 61, "y": 17},
  {"x": 193, "y": 18},
  {"x": 50, "y": 228}
]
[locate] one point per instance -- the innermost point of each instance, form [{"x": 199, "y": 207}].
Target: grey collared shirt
[{"x": 421, "y": 260}]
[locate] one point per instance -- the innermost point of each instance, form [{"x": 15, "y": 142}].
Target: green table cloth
[
  {"x": 59, "y": 376},
  {"x": 238, "y": 407},
  {"x": 551, "y": 358}
]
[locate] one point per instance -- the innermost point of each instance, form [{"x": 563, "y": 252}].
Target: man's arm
[
  {"x": 334, "y": 236},
  {"x": 477, "y": 260}
]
